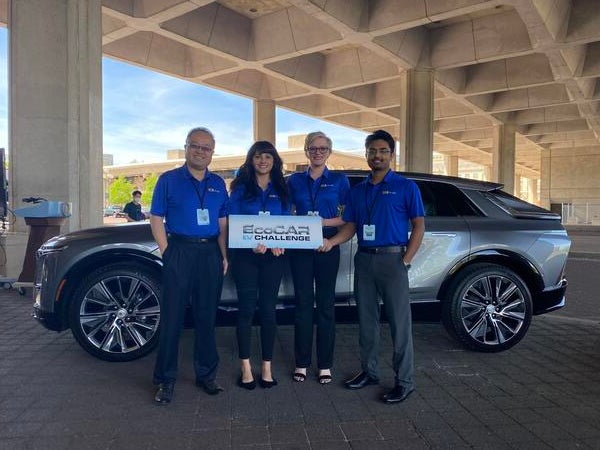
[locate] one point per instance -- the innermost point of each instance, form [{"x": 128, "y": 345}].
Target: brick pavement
[{"x": 542, "y": 394}]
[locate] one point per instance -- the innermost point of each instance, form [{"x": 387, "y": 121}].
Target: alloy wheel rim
[
  {"x": 119, "y": 314},
  {"x": 493, "y": 310}
]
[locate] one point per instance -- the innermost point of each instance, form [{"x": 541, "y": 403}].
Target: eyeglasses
[
  {"x": 378, "y": 151},
  {"x": 196, "y": 147},
  {"x": 313, "y": 150}
]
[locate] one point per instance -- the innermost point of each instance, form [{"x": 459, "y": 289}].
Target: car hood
[{"x": 134, "y": 233}]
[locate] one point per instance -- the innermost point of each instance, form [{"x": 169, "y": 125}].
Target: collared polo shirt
[
  {"x": 267, "y": 200},
  {"x": 325, "y": 194},
  {"x": 178, "y": 196},
  {"x": 389, "y": 205}
]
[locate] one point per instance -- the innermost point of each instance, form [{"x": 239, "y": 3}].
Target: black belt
[
  {"x": 192, "y": 239},
  {"x": 381, "y": 250}
]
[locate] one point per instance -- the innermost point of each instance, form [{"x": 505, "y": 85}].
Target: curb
[{"x": 584, "y": 255}]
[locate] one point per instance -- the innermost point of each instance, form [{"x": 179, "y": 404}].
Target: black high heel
[
  {"x": 246, "y": 385},
  {"x": 267, "y": 384}
]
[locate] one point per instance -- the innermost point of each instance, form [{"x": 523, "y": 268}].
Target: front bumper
[
  {"x": 45, "y": 309},
  {"x": 550, "y": 299}
]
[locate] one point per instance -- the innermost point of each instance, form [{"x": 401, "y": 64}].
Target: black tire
[
  {"x": 115, "y": 312},
  {"x": 487, "y": 307}
]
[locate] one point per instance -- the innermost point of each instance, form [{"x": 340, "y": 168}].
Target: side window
[{"x": 445, "y": 200}]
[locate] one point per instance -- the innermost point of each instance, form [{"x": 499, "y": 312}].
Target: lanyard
[
  {"x": 265, "y": 197},
  {"x": 372, "y": 208},
  {"x": 201, "y": 198},
  {"x": 313, "y": 198}
]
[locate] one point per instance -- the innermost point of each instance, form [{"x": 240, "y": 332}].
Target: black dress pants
[
  {"x": 192, "y": 274},
  {"x": 314, "y": 276},
  {"x": 257, "y": 279}
]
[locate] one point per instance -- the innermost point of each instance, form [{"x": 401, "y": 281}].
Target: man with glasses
[
  {"x": 189, "y": 223},
  {"x": 379, "y": 210}
]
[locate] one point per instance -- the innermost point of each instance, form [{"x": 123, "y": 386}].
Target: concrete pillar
[
  {"x": 503, "y": 157},
  {"x": 545, "y": 178},
  {"x": 451, "y": 165},
  {"x": 416, "y": 123},
  {"x": 518, "y": 187},
  {"x": 532, "y": 191},
  {"x": 264, "y": 121},
  {"x": 487, "y": 173},
  {"x": 55, "y": 73}
]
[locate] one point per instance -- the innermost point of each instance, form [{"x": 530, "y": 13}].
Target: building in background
[{"x": 295, "y": 160}]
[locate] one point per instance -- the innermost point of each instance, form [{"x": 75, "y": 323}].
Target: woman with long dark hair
[{"x": 258, "y": 189}]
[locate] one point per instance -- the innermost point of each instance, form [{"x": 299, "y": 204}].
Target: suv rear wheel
[
  {"x": 115, "y": 312},
  {"x": 487, "y": 308}
]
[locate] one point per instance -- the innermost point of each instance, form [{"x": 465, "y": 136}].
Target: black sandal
[{"x": 299, "y": 377}]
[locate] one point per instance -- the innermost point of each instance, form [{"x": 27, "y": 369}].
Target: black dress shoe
[
  {"x": 398, "y": 394},
  {"x": 246, "y": 384},
  {"x": 210, "y": 387},
  {"x": 164, "y": 395},
  {"x": 267, "y": 384},
  {"x": 361, "y": 380}
]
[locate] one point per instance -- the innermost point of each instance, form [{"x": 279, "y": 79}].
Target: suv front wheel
[
  {"x": 487, "y": 308},
  {"x": 115, "y": 312}
]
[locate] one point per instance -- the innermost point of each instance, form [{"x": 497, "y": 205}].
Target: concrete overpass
[{"x": 509, "y": 84}]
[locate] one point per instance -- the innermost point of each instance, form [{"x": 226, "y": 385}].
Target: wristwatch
[{"x": 407, "y": 265}]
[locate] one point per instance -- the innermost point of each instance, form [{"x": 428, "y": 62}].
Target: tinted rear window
[
  {"x": 445, "y": 200},
  {"x": 439, "y": 199}
]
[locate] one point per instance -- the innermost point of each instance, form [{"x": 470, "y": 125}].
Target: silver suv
[{"x": 489, "y": 262}]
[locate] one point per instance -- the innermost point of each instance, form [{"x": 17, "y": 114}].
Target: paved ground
[{"x": 542, "y": 394}]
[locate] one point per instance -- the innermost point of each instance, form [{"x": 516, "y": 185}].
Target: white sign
[{"x": 275, "y": 231}]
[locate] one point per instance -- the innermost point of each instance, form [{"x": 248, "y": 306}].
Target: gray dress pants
[{"x": 385, "y": 276}]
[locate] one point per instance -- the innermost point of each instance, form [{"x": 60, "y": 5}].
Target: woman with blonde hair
[{"x": 316, "y": 192}]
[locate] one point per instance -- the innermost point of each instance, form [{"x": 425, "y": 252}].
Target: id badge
[
  {"x": 264, "y": 213},
  {"x": 312, "y": 213},
  {"x": 368, "y": 232},
  {"x": 202, "y": 216}
]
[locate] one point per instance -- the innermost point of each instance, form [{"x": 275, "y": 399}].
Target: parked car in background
[
  {"x": 109, "y": 211},
  {"x": 113, "y": 211},
  {"x": 488, "y": 262}
]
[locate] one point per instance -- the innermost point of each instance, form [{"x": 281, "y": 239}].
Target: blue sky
[{"x": 146, "y": 113}]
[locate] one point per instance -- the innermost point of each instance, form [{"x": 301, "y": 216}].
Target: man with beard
[
  {"x": 379, "y": 210},
  {"x": 189, "y": 223}
]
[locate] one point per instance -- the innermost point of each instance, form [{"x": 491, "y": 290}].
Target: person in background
[
  {"x": 258, "y": 189},
  {"x": 379, "y": 211},
  {"x": 316, "y": 192},
  {"x": 189, "y": 223},
  {"x": 133, "y": 209}
]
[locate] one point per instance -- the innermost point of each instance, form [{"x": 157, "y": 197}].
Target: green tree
[
  {"x": 148, "y": 190},
  {"x": 119, "y": 192}
]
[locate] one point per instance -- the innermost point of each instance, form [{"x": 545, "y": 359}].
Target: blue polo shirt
[
  {"x": 267, "y": 200},
  {"x": 388, "y": 205},
  {"x": 325, "y": 194},
  {"x": 178, "y": 196}
]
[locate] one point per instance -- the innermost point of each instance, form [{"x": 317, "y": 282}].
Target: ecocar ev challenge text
[{"x": 276, "y": 233}]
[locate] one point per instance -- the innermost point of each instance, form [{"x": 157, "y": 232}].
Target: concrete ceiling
[{"x": 533, "y": 63}]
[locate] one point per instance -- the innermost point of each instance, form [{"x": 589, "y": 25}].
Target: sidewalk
[
  {"x": 585, "y": 241},
  {"x": 542, "y": 394}
]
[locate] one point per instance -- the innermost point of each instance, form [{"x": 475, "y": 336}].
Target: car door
[{"x": 446, "y": 240}]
